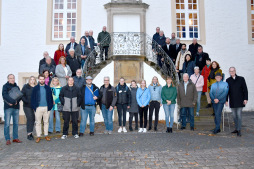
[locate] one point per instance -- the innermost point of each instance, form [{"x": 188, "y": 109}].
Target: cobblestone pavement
[{"x": 181, "y": 149}]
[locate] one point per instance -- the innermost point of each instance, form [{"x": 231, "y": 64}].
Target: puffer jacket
[
  {"x": 123, "y": 94},
  {"x": 134, "y": 104},
  {"x": 7, "y": 99},
  {"x": 27, "y": 94},
  {"x": 70, "y": 98}
]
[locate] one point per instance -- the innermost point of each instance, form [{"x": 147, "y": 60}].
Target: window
[
  {"x": 64, "y": 19},
  {"x": 187, "y": 19},
  {"x": 252, "y": 19}
]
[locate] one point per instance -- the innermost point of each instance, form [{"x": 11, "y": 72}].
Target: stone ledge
[
  {"x": 129, "y": 58},
  {"x": 126, "y": 5}
]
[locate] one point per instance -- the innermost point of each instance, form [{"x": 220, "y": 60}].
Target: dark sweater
[{"x": 27, "y": 93}]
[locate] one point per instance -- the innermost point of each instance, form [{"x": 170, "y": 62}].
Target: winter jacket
[
  {"x": 123, "y": 94},
  {"x": 176, "y": 51},
  {"x": 169, "y": 93},
  {"x": 211, "y": 80},
  {"x": 74, "y": 63},
  {"x": 60, "y": 73},
  {"x": 200, "y": 59},
  {"x": 198, "y": 81},
  {"x": 55, "y": 92},
  {"x": 96, "y": 93},
  {"x": 79, "y": 81},
  {"x": 43, "y": 61},
  {"x": 189, "y": 68},
  {"x": 68, "y": 46},
  {"x": 219, "y": 90},
  {"x": 155, "y": 93},
  {"x": 205, "y": 73},
  {"x": 111, "y": 96},
  {"x": 181, "y": 59},
  {"x": 161, "y": 40},
  {"x": 35, "y": 98},
  {"x": 238, "y": 91},
  {"x": 143, "y": 96},
  {"x": 27, "y": 94},
  {"x": 104, "y": 39},
  {"x": 193, "y": 49},
  {"x": 169, "y": 51},
  {"x": 50, "y": 68},
  {"x": 70, "y": 98},
  {"x": 134, "y": 104},
  {"x": 58, "y": 54},
  {"x": 190, "y": 98},
  {"x": 7, "y": 99}
]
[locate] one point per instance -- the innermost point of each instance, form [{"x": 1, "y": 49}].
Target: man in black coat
[
  {"x": 176, "y": 49},
  {"x": 70, "y": 45},
  {"x": 200, "y": 58},
  {"x": 73, "y": 61},
  {"x": 238, "y": 97},
  {"x": 43, "y": 61},
  {"x": 168, "y": 49},
  {"x": 193, "y": 48}
]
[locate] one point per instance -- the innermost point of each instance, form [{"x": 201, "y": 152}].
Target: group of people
[{"x": 63, "y": 89}]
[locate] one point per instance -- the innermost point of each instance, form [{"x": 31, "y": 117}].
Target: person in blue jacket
[
  {"x": 188, "y": 65},
  {"x": 143, "y": 97},
  {"x": 218, "y": 94}
]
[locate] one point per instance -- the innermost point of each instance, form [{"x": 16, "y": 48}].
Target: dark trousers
[
  {"x": 121, "y": 109},
  {"x": 184, "y": 111},
  {"x": 217, "y": 108},
  {"x": 73, "y": 116},
  {"x": 143, "y": 114},
  {"x": 131, "y": 118},
  {"x": 30, "y": 119},
  {"x": 159, "y": 62},
  {"x": 154, "y": 105},
  {"x": 104, "y": 49}
]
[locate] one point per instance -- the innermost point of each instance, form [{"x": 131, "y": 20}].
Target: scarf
[
  {"x": 47, "y": 81},
  {"x": 212, "y": 73},
  {"x": 186, "y": 67},
  {"x": 183, "y": 51}
]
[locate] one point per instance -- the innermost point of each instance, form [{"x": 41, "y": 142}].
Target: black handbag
[
  {"x": 59, "y": 107},
  {"x": 15, "y": 93}
]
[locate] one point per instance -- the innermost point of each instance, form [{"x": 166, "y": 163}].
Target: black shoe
[
  {"x": 170, "y": 130},
  {"x": 234, "y": 132},
  {"x": 81, "y": 134},
  {"x": 30, "y": 137},
  {"x": 239, "y": 134},
  {"x": 91, "y": 133},
  {"x": 155, "y": 129},
  {"x": 130, "y": 128},
  {"x": 208, "y": 106},
  {"x": 150, "y": 128},
  {"x": 182, "y": 128},
  {"x": 50, "y": 132},
  {"x": 213, "y": 114},
  {"x": 136, "y": 128},
  {"x": 216, "y": 131},
  {"x": 192, "y": 128},
  {"x": 167, "y": 130},
  {"x": 57, "y": 131}
]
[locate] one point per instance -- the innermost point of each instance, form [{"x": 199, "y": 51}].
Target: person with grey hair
[
  {"x": 186, "y": 99},
  {"x": 173, "y": 39},
  {"x": 198, "y": 80},
  {"x": 48, "y": 66},
  {"x": 73, "y": 61},
  {"x": 237, "y": 97},
  {"x": 107, "y": 101},
  {"x": 71, "y": 45},
  {"x": 43, "y": 61},
  {"x": 79, "y": 81},
  {"x": 177, "y": 48}
]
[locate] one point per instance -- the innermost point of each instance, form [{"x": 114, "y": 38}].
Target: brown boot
[
  {"x": 8, "y": 142},
  {"x": 38, "y": 140},
  {"x": 47, "y": 138}
]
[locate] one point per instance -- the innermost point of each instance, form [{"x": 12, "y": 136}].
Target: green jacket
[
  {"x": 169, "y": 93},
  {"x": 104, "y": 38}
]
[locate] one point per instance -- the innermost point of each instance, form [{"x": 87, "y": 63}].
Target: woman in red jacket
[
  {"x": 205, "y": 73},
  {"x": 58, "y": 53}
]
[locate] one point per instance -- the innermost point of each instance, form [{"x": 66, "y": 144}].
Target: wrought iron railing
[{"x": 131, "y": 43}]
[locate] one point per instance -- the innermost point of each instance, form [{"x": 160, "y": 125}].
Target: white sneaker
[
  {"x": 64, "y": 137},
  {"x": 76, "y": 136},
  {"x": 124, "y": 130},
  {"x": 140, "y": 130},
  {"x": 197, "y": 114},
  {"x": 106, "y": 132},
  {"x": 120, "y": 130},
  {"x": 144, "y": 130},
  {"x": 109, "y": 132}
]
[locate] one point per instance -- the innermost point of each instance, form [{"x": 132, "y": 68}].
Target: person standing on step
[
  {"x": 143, "y": 97},
  {"x": 168, "y": 95},
  {"x": 107, "y": 99},
  {"x": 89, "y": 97},
  {"x": 181, "y": 58},
  {"x": 155, "y": 102},
  {"x": 11, "y": 109},
  {"x": 123, "y": 102},
  {"x": 133, "y": 110},
  {"x": 56, "y": 88},
  {"x": 218, "y": 94},
  {"x": 238, "y": 97},
  {"x": 104, "y": 40},
  {"x": 41, "y": 103},
  {"x": 30, "y": 118},
  {"x": 198, "y": 80},
  {"x": 187, "y": 98},
  {"x": 70, "y": 98},
  {"x": 205, "y": 73}
]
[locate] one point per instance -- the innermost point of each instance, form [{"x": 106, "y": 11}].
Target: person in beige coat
[
  {"x": 181, "y": 57},
  {"x": 187, "y": 96}
]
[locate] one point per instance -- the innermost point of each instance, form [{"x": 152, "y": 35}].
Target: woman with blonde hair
[
  {"x": 59, "y": 53},
  {"x": 143, "y": 97},
  {"x": 155, "y": 102},
  {"x": 168, "y": 95},
  {"x": 56, "y": 88},
  {"x": 27, "y": 92},
  {"x": 63, "y": 71}
]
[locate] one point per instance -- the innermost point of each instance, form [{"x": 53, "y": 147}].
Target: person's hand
[
  {"x": 98, "y": 44},
  {"x": 168, "y": 102},
  {"x": 85, "y": 56},
  {"x": 82, "y": 56},
  {"x": 174, "y": 60},
  {"x": 10, "y": 104},
  {"x": 128, "y": 107},
  {"x": 111, "y": 108},
  {"x": 54, "y": 102},
  {"x": 162, "y": 59},
  {"x": 216, "y": 101},
  {"x": 159, "y": 46},
  {"x": 153, "y": 50},
  {"x": 160, "y": 105},
  {"x": 95, "y": 98},
  {"x": 226, "y": 104},
  {"x": 115, "y": 107},
  {"x": 67, "y": 77},
  {"x": 16, "y": 103},
  {"x": 245, "y": 102},
  {"x": 177, "y": 71},
  {"x": 177, "y": 67},
  {"x": 142, "y": 106},
  {"x": 156, "y": 53},
  {"x": 194, "y": 104}
]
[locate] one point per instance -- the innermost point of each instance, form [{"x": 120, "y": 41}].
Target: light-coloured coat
[
  {"x": 199, "y": 82},
  {"x": 181, "y": 59},
  {"x": 60, "y": 73}
]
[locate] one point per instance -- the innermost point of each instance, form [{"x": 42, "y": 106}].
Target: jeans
[
  {"x": 154, "y": 105},
  {"x": 198, "y": 101},
  {"x": 83, "y": 63},
  {"x": 30, "y": 119},
  {"x": 183, "y": 116},
  {"x": 89, "y": 110},
  {"x": 143, "y": 114},
  {"x": 67, "y": 122},
  {"x": 169, "y": 112},
  {"x": 122, "y": 109},
  {"x": 217, "y": 108},
  {"x": 51, "y": 121},
  {"x": 108, "y": 118},
  {"x": 237, "y": 115},
  {"x": 7, "y": 119},
  {"x": 131, "y": 118}
]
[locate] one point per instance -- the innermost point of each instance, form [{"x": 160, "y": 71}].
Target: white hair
[
  {"x": 78, "y": 70},
  {"x": 48, "y": 57},
  {"x": 106, "y": 77},
  {"x": 232, "y": 67},
  {"x": 45, "y": 52},
  {"x": 71, "y": 50},
  {"x": 196, "y": 67},
  {"x": 72, "y": 37},
  {"x": 185, "y": 74}
]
